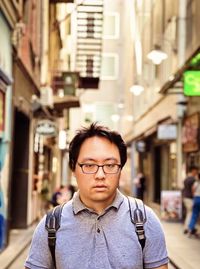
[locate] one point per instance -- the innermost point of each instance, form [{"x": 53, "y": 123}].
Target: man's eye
[{"x": 111, "y": 165}]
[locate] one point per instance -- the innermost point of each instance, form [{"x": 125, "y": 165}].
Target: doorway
[
  {"x": 157, "y": 174},
  {"x": 19, "y": 176}
]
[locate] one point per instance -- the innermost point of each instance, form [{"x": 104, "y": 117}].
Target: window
[
  {"x": 109, "y": 66},
  {"x": 111, "y": 25},
  {"x": 103, "y": 112}
]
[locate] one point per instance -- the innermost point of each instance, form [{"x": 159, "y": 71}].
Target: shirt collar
[{"x": 79, "y": 206}]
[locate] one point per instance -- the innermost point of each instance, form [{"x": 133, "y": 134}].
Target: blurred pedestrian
[
  {"x": 188, "y": 195},
  {"x": 195, "y": 207},
  {"x": 96, "y": 229},
  {"x": 65, "y": 194},
  {"x": 62, "y": 195},
  {"x": 56, "y": 194},
  {"x": 139, "y": 183},
  {"x": 45, "y": 192}
]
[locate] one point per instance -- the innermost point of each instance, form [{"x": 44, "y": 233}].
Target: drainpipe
[
  {"x": 180, "y": 98},
  {"x": 133, "y": 170}
]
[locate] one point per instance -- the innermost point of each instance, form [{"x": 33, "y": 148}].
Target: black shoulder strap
[
  {"x": 138, "y": 218},
  {"x": 52, "y": 224}
]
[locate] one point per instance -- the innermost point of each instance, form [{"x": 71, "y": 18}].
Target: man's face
[{"x": 99, "y": 187}]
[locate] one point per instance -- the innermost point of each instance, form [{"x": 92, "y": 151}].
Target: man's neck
[{"x": 98, "y": 206}]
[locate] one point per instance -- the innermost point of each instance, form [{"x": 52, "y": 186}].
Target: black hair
[{"x": 95, "y": 130}]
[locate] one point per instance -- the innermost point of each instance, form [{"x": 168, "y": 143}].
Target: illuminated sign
[
  {"x": 192, "y": 83},
  {"x": 46, "y": 128}
]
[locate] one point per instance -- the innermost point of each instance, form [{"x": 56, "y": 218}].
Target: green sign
[{"x": 192, "y": 83}]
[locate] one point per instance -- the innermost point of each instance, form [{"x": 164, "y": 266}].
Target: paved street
[{"x": 19, "y": 262}]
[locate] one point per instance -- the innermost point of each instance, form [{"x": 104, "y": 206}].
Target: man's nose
[{"x": 100, "y": 173}]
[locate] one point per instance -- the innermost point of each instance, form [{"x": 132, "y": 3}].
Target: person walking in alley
[
  {"x": 96, "y": 229},
  {"x": 56, "y": 194},
  {"x": 63, "y": 194},
  {"x": 45, "y": 192},
  {"x": 195, "y": 207},
  {"x": 188, "y": 195},
  {"x": 140, "y": 185}
]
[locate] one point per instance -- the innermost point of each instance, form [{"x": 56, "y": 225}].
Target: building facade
[{"x": 163, "y": 114}]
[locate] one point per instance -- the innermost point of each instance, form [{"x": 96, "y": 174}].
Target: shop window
[
  {"x": 111, "y": 25},
  {"x": 109, "y": 66}
]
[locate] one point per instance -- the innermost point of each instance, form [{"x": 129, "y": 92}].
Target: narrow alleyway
[{"x": 133, "y": 66}]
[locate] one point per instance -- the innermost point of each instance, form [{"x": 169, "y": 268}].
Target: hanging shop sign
[
  {"x": 167, "y": 131},
  {"x": 46, "y": 128},
  {"x": 190, "y": 133}
]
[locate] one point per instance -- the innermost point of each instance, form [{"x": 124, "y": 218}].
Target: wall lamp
[
  {"x": 137, "y": 89},
  {"x": 157, "y": 55}
]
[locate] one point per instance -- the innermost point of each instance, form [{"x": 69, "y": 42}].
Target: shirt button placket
[
  {"x": 99, "y": 258},
  {"x": 97, "y": 225}
]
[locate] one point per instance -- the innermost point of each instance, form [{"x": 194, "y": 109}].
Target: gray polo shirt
[{"x": 87, "y": 240}]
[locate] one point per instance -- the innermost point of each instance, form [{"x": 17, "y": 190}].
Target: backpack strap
[
  {"x": 52, "y": 224},
  {"x": 138, "y": 218}
]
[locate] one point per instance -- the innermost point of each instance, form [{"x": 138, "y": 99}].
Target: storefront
[
  {"x": 5, "y": 125},
  {"x": 21, "y": 206},
  {"x": 156, "y": 159},
  {"x": 190, "y": 140}
]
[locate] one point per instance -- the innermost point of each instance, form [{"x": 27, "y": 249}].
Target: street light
[
  {"x": 115, "y": 117},
  {"x": 157, "y": 55},
  {"x": 137, "y": 89}
]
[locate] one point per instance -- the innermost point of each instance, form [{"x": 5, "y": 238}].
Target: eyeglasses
[{"x": 90, "y": 168}]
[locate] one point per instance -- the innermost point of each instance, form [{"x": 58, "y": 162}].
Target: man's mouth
[{"x": 100, "y": 187}]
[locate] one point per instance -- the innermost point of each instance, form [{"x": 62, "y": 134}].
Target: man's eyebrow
[
  {"x": 95, "y": 160},
  {"x": 111, "y": 159},
  {"x": 88, "y": 159}
]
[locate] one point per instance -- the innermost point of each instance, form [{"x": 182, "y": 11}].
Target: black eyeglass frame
[{"x": 82, "y": 164}]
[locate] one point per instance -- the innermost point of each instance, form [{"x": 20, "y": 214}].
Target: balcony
[
  {"x": 64, "y": 85},
  {"x": 89, "y": 42}
]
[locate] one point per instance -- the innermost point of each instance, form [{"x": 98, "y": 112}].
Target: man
[
  {"x": 96, "y": 230},
  {"x": 188, "y": 195}
]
